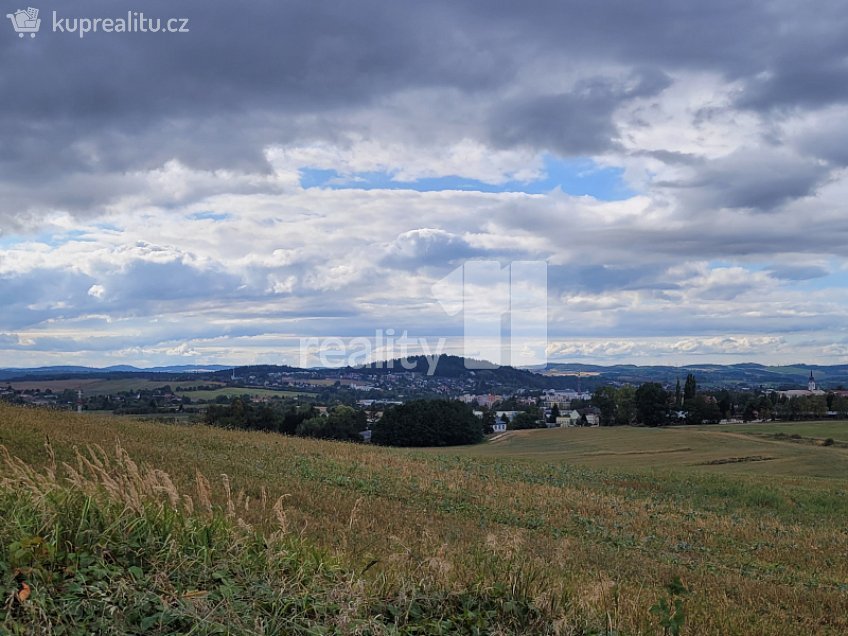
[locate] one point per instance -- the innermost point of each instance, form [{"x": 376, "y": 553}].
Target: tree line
[
  {"x": 650, "y": 404},
  {"x": 340, "y": 422},
  {"x": 415, "y": 423}
]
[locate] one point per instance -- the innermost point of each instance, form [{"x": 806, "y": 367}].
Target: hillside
[
  {"x": 556, "y": 375},
  {"x": 709, "y": 375},
  {"x": 447, "y": 542}
]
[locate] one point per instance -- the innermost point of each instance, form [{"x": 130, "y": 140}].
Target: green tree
[
  {"x": 690, "y": 388},
  {"x": 341, "y": 423},
  {"x": 488, "y": 421},
  {"x": 840, "y": 405},
  {"x": 764, "y": 407},
  {"x": 725, "y": 403},
  {"x": 525, "y": 420},
  {"x": 817, "y": 405},
  {"x": 605, "y": 400},
  {"x": 702, "y": 409},
  {"x": 625, "y": 405},
  {"x": 428, "y": 423},
  {"x": 554, "y": 414},
  {"x": 651, "y": 402}
]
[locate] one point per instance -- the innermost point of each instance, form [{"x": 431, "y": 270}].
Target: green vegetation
[
  {"x": 118, "y": 550},
  {"x": 240, "y": 413},
  {"x": 341, "y": 423},
  {"x": 651, "y": 402},
  {"x": 428, "y": 423},
  {"x": 526, "y": 420},
  {"x": 617, "y": 405},
  {"x": 579, "y": 531}
]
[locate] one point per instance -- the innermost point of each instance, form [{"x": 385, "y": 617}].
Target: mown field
[
  {"x": 743, "y": 449},
  {"x": 231, "y": 392},
  {"x": 97, "y": 386},
  {"x": 563, "y": 531},
  {"x": 834, "y": 429}
]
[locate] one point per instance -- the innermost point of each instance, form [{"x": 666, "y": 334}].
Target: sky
[{"x": 312, "y": 168}]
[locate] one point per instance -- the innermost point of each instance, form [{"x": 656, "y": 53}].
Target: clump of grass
[{"x": 109, "y": 546}]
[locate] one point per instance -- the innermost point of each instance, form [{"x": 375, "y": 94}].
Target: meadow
[
  {"x": 231, "y": 392},
  {"x": 100, "y": 386},
  {"x": 768, "y": 449},
  {"x": 583, "y": 531}
]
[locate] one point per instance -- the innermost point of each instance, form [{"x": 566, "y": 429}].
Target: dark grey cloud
[
  {"x": 82, "y": 122},
  {"x": 577, "y": 122},
  {"x": 602, "y": 278},
  {"x": 269, "y": 72},
  {"x": 757, "y": 179}
]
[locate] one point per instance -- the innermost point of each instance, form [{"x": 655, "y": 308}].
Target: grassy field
[
  {"x": 237, "y": 391},
  {"x": 737, "y": 449},
  {"x": 834, "y": 429},
  {"x": 94, "y": 386},
  {"x": 580, "y": 531}
]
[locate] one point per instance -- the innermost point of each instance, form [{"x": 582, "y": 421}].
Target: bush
[{"x": 428, "y": 423}]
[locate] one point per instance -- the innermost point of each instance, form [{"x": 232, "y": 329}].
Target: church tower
[{"x": 811, "y": 383}]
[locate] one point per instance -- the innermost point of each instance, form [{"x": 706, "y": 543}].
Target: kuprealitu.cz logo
[
  {"x": 28, "y": 22},
  {"x": 25, "y": 21}
]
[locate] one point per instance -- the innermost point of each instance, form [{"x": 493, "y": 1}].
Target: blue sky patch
[
  {"x": 209, "y": 216},
  {"x": 51, "y": 239},
  {"x": 577, "y": 177}
]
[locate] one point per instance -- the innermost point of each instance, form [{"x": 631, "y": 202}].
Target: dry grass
[{"x": 593, "y": 548}]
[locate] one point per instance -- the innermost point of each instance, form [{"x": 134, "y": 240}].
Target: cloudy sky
[{"x": 312, "y": 168}]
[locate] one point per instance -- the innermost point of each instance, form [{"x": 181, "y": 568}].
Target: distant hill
[
  {"x": 449, "y": 366},
  {"x": 588, "y": 377},
  {"x": 556, "y": 376},
  {"x": 54, "y": 371},
  {"x": 746, "y": 374}
]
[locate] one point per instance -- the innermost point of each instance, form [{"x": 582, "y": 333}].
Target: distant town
[{"x": 503, "y": 398}]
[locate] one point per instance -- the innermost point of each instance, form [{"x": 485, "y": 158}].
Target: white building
[{"x": 811, "y": 390}]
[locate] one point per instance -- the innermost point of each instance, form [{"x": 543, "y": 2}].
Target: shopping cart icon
[{"x": 25, "y": 21}]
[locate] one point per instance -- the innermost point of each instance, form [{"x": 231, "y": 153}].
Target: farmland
[
  {"x": 690, "y": 450},
  {"x": 230, "y": 392},
  {"x": 99, "y": 386},
  {"x": 588, "y": 527}
]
